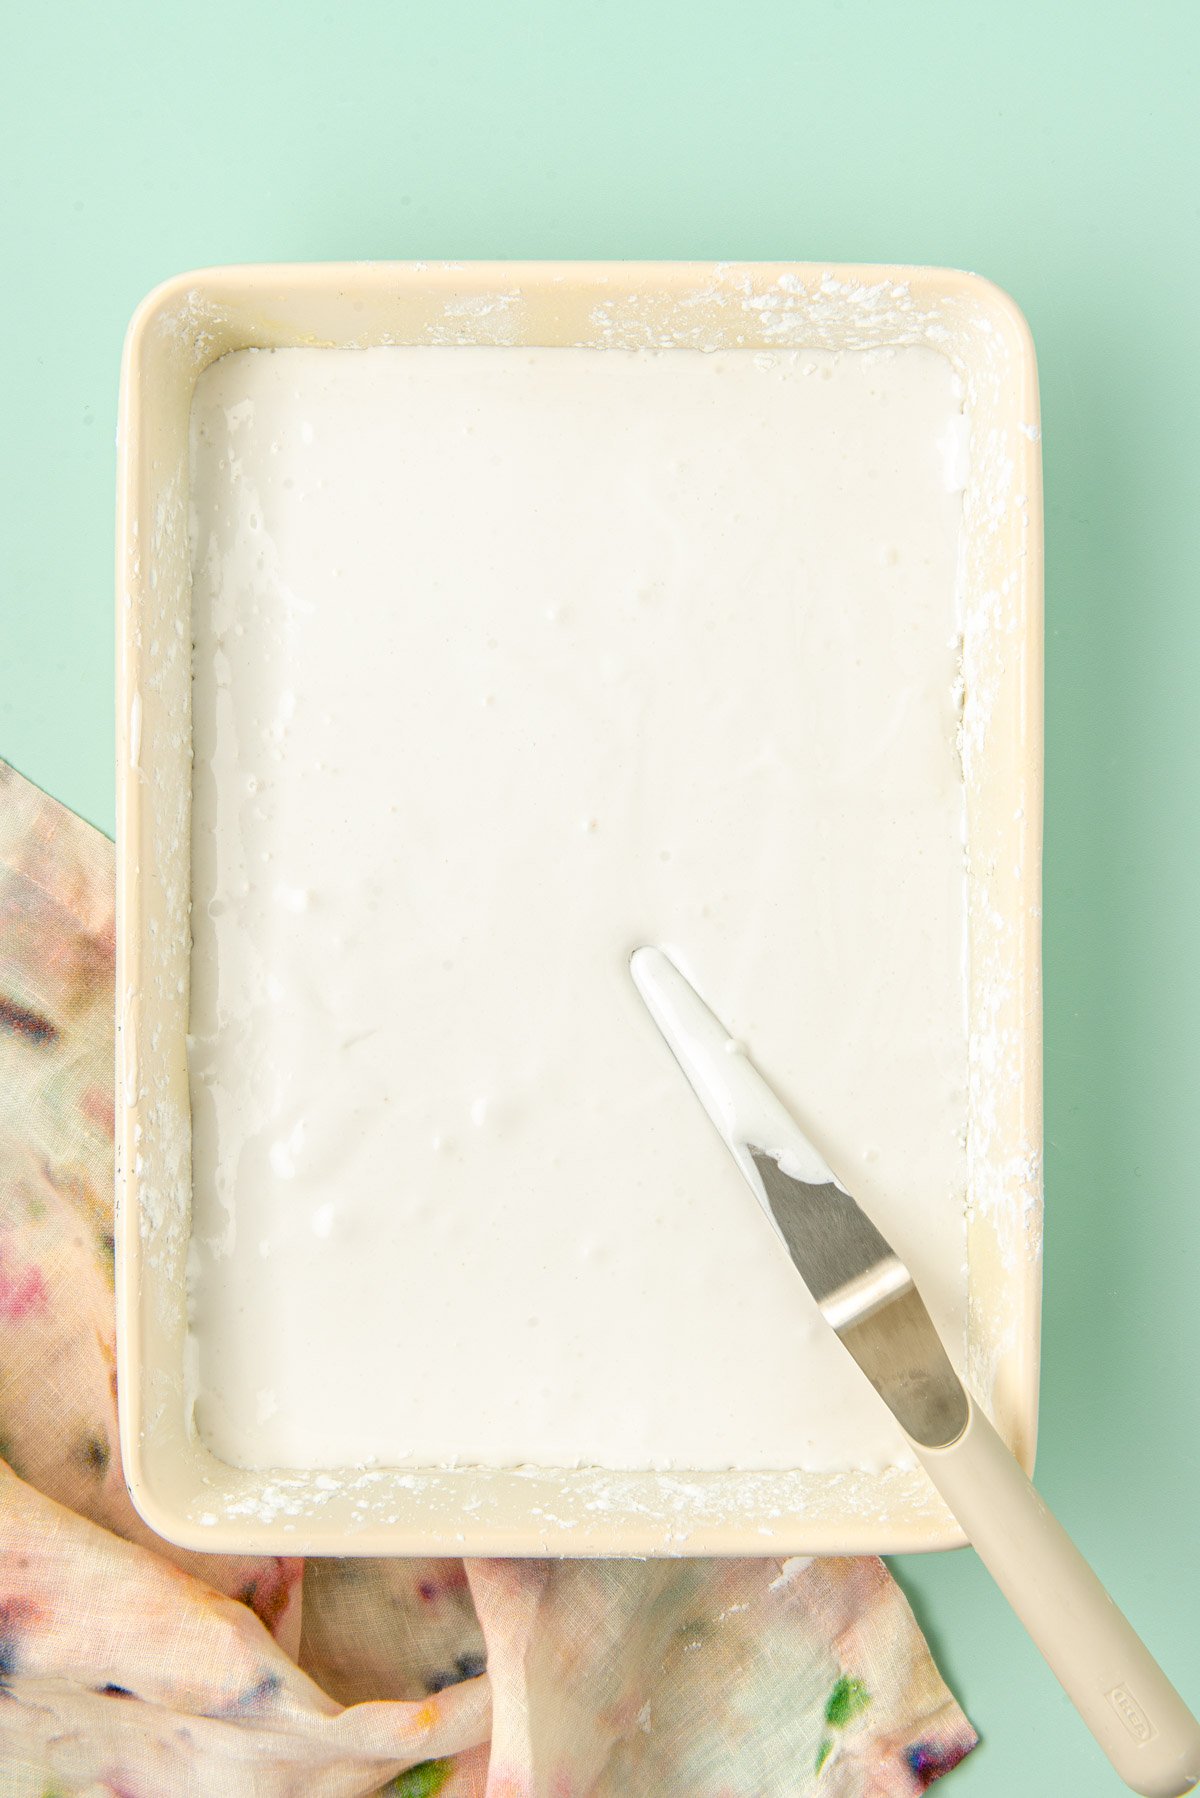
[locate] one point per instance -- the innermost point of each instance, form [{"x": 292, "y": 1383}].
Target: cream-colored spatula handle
[{"x": 1119, "y": 1690}]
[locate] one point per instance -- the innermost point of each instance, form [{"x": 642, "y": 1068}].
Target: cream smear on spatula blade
[{"x": 508, "y": 661}]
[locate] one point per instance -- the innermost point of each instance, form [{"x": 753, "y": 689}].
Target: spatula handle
[{"x": 1119, "y": 1690}]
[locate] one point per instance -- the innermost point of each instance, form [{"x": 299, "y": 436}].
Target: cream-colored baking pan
[{"x": 178, "y": 1484}]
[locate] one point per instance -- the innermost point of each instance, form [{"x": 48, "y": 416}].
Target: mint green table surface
[{"x": 1050, "y": 146}]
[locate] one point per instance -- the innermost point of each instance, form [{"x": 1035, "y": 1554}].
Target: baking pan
[{"x": 181, "y": 1488}]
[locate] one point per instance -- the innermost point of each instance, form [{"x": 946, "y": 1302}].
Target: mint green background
[{"x": 1051, "y": 147}]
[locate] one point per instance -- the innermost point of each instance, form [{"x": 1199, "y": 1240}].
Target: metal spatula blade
[
  {"x": 864, "y": 1290},
  {"x": 867, "y": 1295}
]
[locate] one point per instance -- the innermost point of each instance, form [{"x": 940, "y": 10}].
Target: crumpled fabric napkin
[{"x": 132, "y": 1669}]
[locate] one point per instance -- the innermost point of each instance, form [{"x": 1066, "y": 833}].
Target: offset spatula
[{"x": 867, "y": 1296}]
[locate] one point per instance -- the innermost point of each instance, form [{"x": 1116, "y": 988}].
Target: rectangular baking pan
[{"x": 181, "y": 1488}]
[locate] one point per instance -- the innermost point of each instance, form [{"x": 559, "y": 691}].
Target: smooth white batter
[{"x": 507, "y": 662}]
